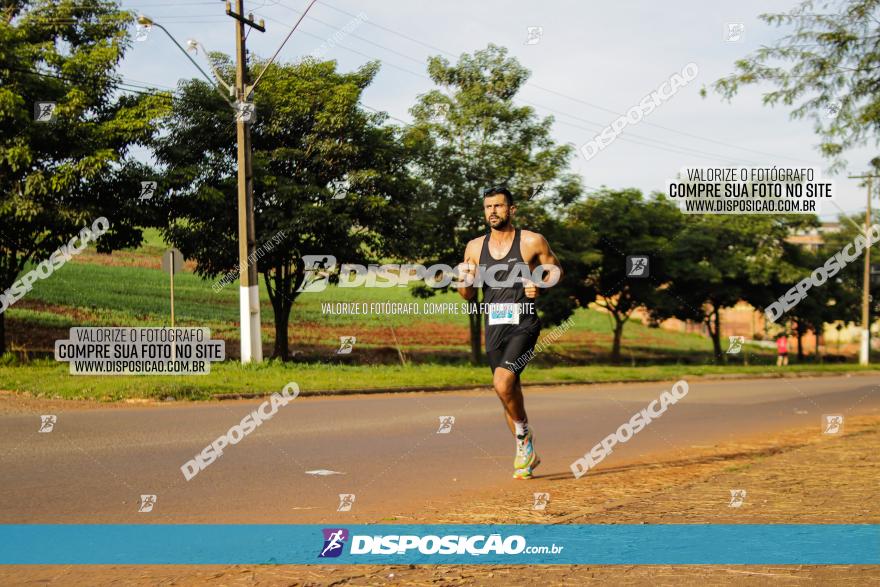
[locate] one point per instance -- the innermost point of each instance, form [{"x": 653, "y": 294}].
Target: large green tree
[
  {"x": 60, "y": 175},
  {"x": 622, "y": 223},
  {"x": 717, "y": 260},
  {"x": 329, "y": 176},
  {"x": 847, "y": 286},
  {"x": 825, "y": 303},
  {"x": 469, "y": 134},
  {"x": 825, "y": 68},
  {"x": 572, "y": 242}
]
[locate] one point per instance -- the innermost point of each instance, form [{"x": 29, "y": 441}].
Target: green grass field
[{"x": 100, "y": 290}]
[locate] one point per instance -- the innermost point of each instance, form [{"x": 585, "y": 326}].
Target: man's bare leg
[{"x": 509, "y": 390}]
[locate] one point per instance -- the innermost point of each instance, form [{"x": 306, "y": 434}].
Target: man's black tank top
[{"x": 503, "y": 321}]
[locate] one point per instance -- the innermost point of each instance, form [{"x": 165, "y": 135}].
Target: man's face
[{"x": 498, "y": 213}]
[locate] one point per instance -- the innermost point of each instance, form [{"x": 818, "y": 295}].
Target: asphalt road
[{"x": 97, "y": 462}]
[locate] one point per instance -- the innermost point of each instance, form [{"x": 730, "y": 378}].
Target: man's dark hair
[{"x": 499, "y": 189}]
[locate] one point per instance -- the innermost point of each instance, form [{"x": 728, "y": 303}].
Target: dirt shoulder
[{"x": 800, "y": 476}]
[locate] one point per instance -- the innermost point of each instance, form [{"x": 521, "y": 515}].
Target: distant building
[{"x": 813, "y": 238}]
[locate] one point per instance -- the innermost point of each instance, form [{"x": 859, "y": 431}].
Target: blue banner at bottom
[{"x": 678, "y": 544}]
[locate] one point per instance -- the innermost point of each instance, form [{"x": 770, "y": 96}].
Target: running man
[{"x": 512, "y": 325}]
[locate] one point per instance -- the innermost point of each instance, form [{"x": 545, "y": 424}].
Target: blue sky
[{"x": 593, "y": 60}]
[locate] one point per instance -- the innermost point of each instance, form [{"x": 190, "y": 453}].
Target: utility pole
[
  {"x": 865, "y": 347},
  {"x": 249, "y": 300}
]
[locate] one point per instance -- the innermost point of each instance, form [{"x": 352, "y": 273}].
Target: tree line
[{"x": 339, "y": 178}]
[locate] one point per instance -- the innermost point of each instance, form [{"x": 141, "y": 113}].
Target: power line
[
  {"x": 277, "y": 51},
  {"x": 376, "y": 110},
  {"x": 629, "y": 137},
  {"x": 673, "y": 130},
  {"x": 555, "y": 92},
  {"x": 179, "y": 4},
  {"x": 134, "y": 88},
  {"x": 637, "y": 139}
]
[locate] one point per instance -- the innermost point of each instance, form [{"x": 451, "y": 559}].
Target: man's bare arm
[
  {"x": 540, "y": 250},
  {"x": 469, "y": 268},
  {"x": 548, "y": 258}
]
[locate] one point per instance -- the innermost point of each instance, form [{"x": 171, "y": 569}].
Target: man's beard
[{"x": 502, "y": 223}]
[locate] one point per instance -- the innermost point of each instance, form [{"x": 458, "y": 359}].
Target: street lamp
[
  {"x": 145, "y": 20},
  {"x": 194, "y": 46}
]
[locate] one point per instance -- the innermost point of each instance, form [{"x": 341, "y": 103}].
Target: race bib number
[{"x": 503, "y": 314}]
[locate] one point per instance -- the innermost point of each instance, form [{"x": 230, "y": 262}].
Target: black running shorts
[{"x": 515, "y": 353}]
